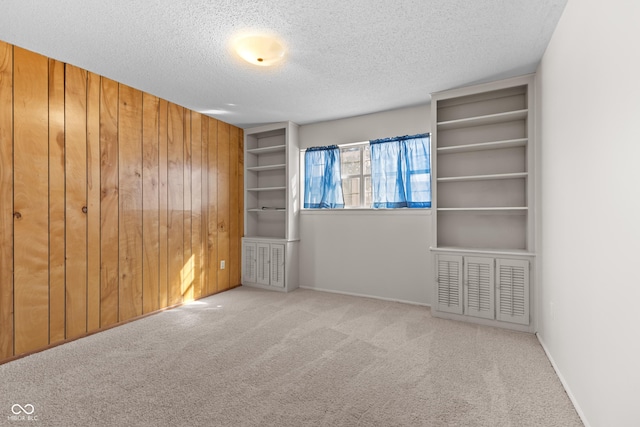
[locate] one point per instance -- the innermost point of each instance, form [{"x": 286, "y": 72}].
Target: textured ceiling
[{"x": 344, "y": 57}]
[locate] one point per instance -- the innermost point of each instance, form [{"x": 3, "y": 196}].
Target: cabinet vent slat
[
  {"x": 277, "y": 265},
  {"x": 249, "y": 264},
  {"x": 263, "y": 264},
  {"x": 479, "y": 281},
  {"x": 513, "y": 291},
  {"x": 448, "y": 280},
  {"x": 449, "y": 288},
  {"x": 276, "y": 259}
]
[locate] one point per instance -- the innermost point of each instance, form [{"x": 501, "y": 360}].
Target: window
[{"x": 386, "y": 173}]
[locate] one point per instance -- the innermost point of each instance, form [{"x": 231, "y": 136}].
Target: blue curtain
[
  {"x": 322, "y": 180},
  {"x": 401, "y": 172}
]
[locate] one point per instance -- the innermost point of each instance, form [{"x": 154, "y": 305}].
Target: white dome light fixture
[{"x": 263, "y": 51}]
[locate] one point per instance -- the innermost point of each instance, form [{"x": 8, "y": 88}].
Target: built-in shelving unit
[
  {"x": 483, "y": 195},
  {"x": 271, "y": 165}
]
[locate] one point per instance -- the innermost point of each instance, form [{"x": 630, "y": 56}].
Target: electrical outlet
[{"x": 222, "y": 264}]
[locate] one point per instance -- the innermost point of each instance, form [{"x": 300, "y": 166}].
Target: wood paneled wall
[{"x": 113, "y": 203}]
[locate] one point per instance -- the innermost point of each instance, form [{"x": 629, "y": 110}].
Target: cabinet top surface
[{"x": 249, "y": 239}]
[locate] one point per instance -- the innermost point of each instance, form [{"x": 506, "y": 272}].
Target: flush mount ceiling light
[{"x": 259, "y": 50}]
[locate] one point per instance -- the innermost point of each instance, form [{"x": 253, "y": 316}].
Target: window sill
[{"x": 367, "y": 211}]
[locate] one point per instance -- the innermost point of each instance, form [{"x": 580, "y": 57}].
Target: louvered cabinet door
[
  {"x": 263, "y": 268},
  {"x": 249, "y": 263},
  {"x": 449, "y": 283},
  {"x": 277, "y": 265},
  {"x": 512, "y": 288},
  {"x": 479, "y": 287}
]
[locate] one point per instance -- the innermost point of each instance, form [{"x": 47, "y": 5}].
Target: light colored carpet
[{"x": 249, "y": 357}]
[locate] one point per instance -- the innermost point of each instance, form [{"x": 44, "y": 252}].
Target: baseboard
[
  {"x": 576, "y": 406},
  {"x": 353, "y": 294}
]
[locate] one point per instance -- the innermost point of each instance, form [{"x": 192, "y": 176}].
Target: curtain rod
[{"x": 350, "y": 144}]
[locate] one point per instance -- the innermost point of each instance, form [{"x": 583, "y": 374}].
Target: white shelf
[
  {"x": 501, "y": 252},
  {"x": 495, "y": 145},
  {"x": 264, "y": 150},
  {"x": 483, "y": 120},
  {"x": 259, "y": 238},
  {"x": 484, "y": 177},
  {"x": 267, "y": 210},
  {"x": 266, "y": 168},
  {"x": 267, "y": 189},
  {"x": 487, "y": 209}
]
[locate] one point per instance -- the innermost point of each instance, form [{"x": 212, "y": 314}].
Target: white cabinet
[
  {"x": 269, "y": 264},
  {"x": 483, "y": 200},
  {"x": 271, "y": 200},
  {"x": 496, "y": 289}
]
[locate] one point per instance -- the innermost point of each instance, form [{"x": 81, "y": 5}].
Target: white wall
[
  {"x": 374, "y": 253},
  {"x": 589, "y": 83},
  {"x": 403, "y": 121}
]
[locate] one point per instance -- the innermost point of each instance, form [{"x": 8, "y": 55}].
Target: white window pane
[
  {"x": 350, "y": 161},
  {"x": 351, "y": 192}
]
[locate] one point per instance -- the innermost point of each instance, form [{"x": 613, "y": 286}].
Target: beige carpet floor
[{"x": 249, "y": 357}]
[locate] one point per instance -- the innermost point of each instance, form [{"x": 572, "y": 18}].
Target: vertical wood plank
[
  {"x": 124, "y": 203},
  {"x": 186, "y": 276},
  {"x": 93, "y": 202},
  {"x": 234, "y": 209},
  {"x": 163, "y": 201},
  {"x": 109, "y": 222},
  {"x": 57, "y": 313},
  {"x": 224, "y": 183},
  {"x": 204, "y": 206},
  {"x": 150, "y": 205},
  {"x": 212, "y": 208},
  {"x": 31, "y": 225},
  {"x": 130, "y": 201},
  {"x": 241, "y": 205},
  {"x": 75, "y": 111},
  {"x": 6, "y": 200},
  {"x": 175, "y": 147},
  {"x": 196, "y": 202}
]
